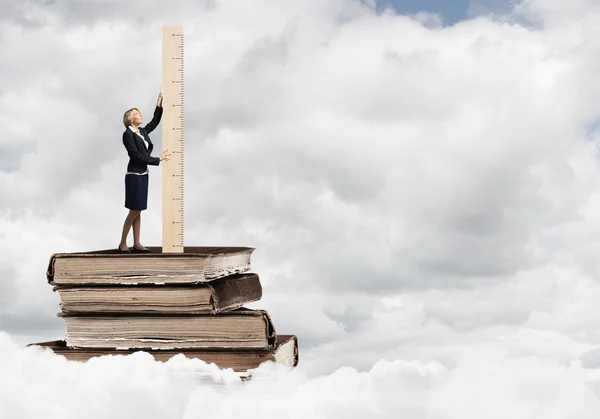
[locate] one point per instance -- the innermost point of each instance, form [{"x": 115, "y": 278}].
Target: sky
[
  {"x": 421, "y": 188},
  {"x": 450, "y": 12}
]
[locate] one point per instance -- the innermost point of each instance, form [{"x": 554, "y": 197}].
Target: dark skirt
[{"x": 136, "y": 192}]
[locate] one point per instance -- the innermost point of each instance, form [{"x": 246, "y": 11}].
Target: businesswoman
[{"x": 139, "y": 147}]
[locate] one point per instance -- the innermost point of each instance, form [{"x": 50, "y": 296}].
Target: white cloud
[
  {"x": 413, "y": 191},
  {"x": 484, "y": 383}
]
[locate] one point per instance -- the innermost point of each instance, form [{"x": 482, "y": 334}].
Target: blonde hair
[{"x": 127, "y": 118}]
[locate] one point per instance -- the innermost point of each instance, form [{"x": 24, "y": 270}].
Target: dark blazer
[{"x": 139, "y": 155}]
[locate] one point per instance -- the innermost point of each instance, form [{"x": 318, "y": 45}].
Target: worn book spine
[{"x": 234, "y": 291}]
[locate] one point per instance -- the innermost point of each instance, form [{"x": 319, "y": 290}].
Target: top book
[{"x": 102, "y": 267}]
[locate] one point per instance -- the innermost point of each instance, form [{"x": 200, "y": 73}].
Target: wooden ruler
[{"x": 172, "y": 139}]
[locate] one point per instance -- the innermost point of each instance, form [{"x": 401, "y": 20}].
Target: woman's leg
[
  {"x": 137, "y": 223},
  {"x": 129, "y": 220}
]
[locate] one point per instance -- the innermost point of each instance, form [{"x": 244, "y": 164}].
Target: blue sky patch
[{"x": 451, "y": 11}]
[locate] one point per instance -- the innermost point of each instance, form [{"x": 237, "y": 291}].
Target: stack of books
[{"x": 189, "y": 303}]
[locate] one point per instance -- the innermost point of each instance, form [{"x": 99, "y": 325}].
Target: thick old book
[
  {"x": 194, "y": 265},
  {"x": 218, "y": 296},
  {"x": 285, "y": 352},
  {"x": 240, "y": 328}
]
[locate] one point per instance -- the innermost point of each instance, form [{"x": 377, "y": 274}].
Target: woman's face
[{"x": 137, "y": 118}]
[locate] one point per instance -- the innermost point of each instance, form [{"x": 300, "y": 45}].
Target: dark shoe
[
  {"x": 123, "y": 251},
  {"x": 136, "y": 250}
]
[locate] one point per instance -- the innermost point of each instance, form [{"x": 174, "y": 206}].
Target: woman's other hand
[{"x": 165, "y": 156}]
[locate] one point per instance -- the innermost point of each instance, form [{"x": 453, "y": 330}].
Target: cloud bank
[
  {"x": 487, "y": 383},
  {"x": 416, "y": 193}
]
